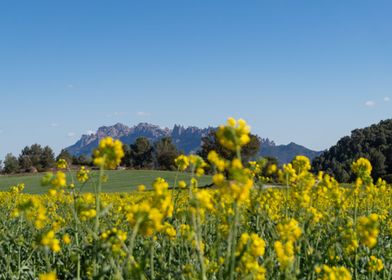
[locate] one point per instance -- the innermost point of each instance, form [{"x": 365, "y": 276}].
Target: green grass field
[{"x": 119, "y": 180}]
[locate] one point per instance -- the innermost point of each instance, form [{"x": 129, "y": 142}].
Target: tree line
[
  {"x": 373, "y": 143},
  {"x": 142, "y": 154},
  {"x": 36, "y": 158},
  {"x": 161, "y": 155}
]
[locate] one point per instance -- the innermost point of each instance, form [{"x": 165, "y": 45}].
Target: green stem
[
  {"x": 98, "y": 211},
  {"x": 233, "y": 242},
  {"x": 98, "y": 200},
  {"x": 152, "y": 252},
  {"x": 133, "y": 237},
  {"x": 198, "y": 239}
]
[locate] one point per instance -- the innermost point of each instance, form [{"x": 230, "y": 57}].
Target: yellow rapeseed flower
[
  {"x": 83, "y": 174},
  {"x": 62, "y": 164},
  {"x": 182, "y": 162},
  {"x": 109, "y": 153},
  {"x": 48, "y": 276},
  {"x": 375, "y": 264},
  {"x": 234, "y": 135}
]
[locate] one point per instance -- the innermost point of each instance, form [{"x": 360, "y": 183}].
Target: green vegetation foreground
[{"x": 312, "y": 229}]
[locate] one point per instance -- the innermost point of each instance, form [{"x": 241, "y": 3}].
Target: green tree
[
  {"x": 82, "y": 160},
  {"x": 373, "y": 142},
  {"x": 141, "y": 153},
  {"x": 11, "y": 164},
  {"x": 25, "y": 163},
  {"x": 31, "y": 157},
  {"x": 47, "y": 159},
  {"x": 165, "y": 152},
  {"x": 127, "y": 159}
]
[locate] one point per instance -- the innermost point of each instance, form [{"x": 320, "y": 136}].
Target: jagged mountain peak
[{"x": 187, "y": 139}]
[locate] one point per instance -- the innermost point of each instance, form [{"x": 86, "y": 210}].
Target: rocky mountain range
[{"x": 187, "y": 139}]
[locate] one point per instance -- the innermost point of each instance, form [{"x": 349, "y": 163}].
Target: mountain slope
[
  {"x": 186, "y": 139},
  {"x": 285, "y": 153}
]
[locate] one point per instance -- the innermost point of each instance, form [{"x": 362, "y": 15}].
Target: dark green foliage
[
  {"x": 141, "y": 153},
  {"x": 82, "y": 160},
  {"x": 165, "y": 152},
  {"x": 373, "y": 143},
  {"x": 11, "y": 164},
  {"x": 47, "y": 159},
  {"x": 36, "y": 157}
]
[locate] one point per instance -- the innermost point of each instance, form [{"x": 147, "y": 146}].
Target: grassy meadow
[{"x": 118, "y": 180}]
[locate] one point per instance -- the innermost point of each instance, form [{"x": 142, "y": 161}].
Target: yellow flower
[
  {"x": 257, "y": 247},
  {"x": 234, "y": 135},
  {"x": 66, "y": 239},
  {"x": 363, "y": 169},
  {"x": 49, "y": 240},
  {"x": 59, "y": 180},
  {"x": 288, "y": 174},
  {"x": 272, "y": 169},
  {"x": 218, "y": 179},
  {"x": 285, "y": 254},
  {"x": 185, "y": 229},
  {"x": 48, "y": 276},
  {"x": 141, "y": 188},
  {"x": 367, "y": 229},
  {"x": 160, "y": 186},
  {"x": 62, "y": 164},
  {"x": 182, "y": 184},
  {"x": 289, "y": 231},
  {"x": 198, "y": 164},
  {"x": 182, "y": 162},
  {"x": 109, "y": 153},
  {"x": 170, "y": 231},
  {"x": 301, "y": 164},
  {"x": 375, "y": 264},
  {"x": 83, "y": 174},
  {"x": 204, "y": 199},
  {"x": 335, "y": 273},
  {"x": 216, "y": 160},
  {"x": 17, "y": 189}
]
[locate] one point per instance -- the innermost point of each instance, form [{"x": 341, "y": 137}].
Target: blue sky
[{"x": 301, "y": 71}]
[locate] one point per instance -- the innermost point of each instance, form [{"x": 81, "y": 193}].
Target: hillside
[
  {"x": 187, "y": 139},
  {"x": 373, "y": 142},
  {"x": 285, "y": 153}
]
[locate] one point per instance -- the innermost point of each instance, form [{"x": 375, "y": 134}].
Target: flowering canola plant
[{"x": 309, "y": 227}]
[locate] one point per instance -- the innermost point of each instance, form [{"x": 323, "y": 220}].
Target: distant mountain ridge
[
  {"x": 187, "y": 139},
  {"x": 285, "y": 153}
]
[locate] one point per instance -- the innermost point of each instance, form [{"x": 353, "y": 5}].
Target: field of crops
[{"x": 312, "y": 229}]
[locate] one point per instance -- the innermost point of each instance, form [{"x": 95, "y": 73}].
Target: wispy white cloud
[
  {"x": 1, "y": 131},
  {"x": 370, "y": 103},
  {"x": 71, "y": 134},
  {"x": 387, "y": 99},
  {"x": 117, "y": 114},
  {"x": 54, "y": 124},
  {"x": 143, "y": 114},
  {"x": 70, "y": 86}
]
